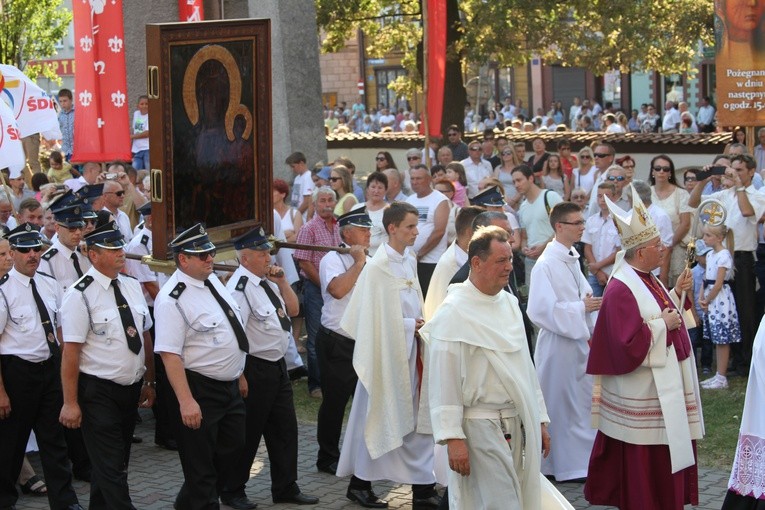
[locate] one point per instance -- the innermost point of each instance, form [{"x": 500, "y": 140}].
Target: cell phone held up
[{"x": 713, "y": 170}]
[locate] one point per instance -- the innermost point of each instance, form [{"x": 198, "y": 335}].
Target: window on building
[{"x": 383, "y": 77}]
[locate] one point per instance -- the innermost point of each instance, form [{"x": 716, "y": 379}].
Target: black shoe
[
  {"x": 329, "y": 468},
  {"x": 365, "y": 498},
  {"x": 298, "y": 373},
  {"x": 238, "y": 502},
  {"x": 426, "y": 503},
  {"x": 135, "y": 439},
  {"x": 167, "y": 444},
  {"x": 298, "y": 498}
]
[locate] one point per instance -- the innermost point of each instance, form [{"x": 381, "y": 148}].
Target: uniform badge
[
  {"x": 280, "y": 313},
  {"x": 230, "y": 313},
  {"x": 28, "y": 227},
  {"x": 201, "y": 230},
  {"x": 51, "y": 338},
  {"x": 131, "y": 331}
]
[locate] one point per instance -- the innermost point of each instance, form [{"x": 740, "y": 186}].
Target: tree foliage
[
  {"x": 600, "y": 35},
  {"x": 29, "y": 30}
]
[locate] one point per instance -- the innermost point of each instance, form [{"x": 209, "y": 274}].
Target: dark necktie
[
  {"x": 47, "y": 325},
  {"x": 76, "y": 263},
  {"x": 241, "y": 336},
  {"x": 126, "y": 316},
  {"x": 283, "y": 319}
]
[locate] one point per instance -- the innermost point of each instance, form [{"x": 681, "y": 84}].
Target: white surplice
[
  {"x": 412, "y": 460},
  {"x": 556, "y": 307},
  {"x": 448, "y": 265}
]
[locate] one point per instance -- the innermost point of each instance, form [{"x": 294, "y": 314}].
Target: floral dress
[{"x": 721, "y": 320}]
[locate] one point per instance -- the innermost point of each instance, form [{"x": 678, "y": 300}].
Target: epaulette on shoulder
[
  {"x": 49, "y": 254},
  {"x": 178, "y": 290},
  {"x": 83, "y": 283},
  {"x": 129, "y": 276},
  {"x": 145, "y": 240},
  {"x": 4, "y": 279},
  {"x": 45, "y": 274},
  {"x": 242, "y": 283}
]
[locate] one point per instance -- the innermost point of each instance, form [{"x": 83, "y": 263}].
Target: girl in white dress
[{"x": 721, "y": 320}]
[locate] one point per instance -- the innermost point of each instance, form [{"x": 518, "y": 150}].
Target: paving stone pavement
[{"x": 155, "y": 477}]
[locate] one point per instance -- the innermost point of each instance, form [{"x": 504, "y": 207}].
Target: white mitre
[{"x": 634, "y": 227}]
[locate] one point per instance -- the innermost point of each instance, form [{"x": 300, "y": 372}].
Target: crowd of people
[
  {"x": 421, "y": 293},
  {"x": 511, "y": 116}
]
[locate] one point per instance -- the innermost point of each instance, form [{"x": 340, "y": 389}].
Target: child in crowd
[
  {"x": 455, "y": 172},
  {"x": 716, "y": 299},
  {"x": 697, "y": 337}
]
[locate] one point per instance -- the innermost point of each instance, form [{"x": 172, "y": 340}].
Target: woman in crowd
[
  {"x": 383, "y": 161},
  {"x": 341, "y": 182},
  {"x": 673, "y": 199},
  {"x": 491, "y": 121},
  {"x": 504, "y": 174},
  {"x": 628, "y": 164},
  {"x": 377, "y": 185},
  {"x": 555, "y": 179},
  {"x": 690, "y": 178},
  {"x": 538, "y": 160},
  {"x": 567, "y": 160},
  {"x": 584, "y": 176},
  {"x": 446, "y": 187}
]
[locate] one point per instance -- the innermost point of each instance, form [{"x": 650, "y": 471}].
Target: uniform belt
[
  {"x": 196, "y": 375},
  {"x": 485, "y": 413},
  {"x": 265, "y": 361},
  {"x": 15, "y": 358},
  {"x": 336, "y": 336},
  {"x": 107, "y": 381}
]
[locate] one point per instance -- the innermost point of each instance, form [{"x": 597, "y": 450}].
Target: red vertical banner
[
  {"x": 101, "y": 125},
  {"x": 191, "y": 10},
  {"x": 436, "y": 27}
]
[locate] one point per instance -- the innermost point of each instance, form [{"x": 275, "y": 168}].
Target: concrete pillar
[{"x": 298, "y": 123}]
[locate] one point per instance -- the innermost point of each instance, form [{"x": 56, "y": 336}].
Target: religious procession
[{"x": 415, "y": 316}]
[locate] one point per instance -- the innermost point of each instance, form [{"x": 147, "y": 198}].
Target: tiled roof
[{"x": 716, "y": 140}]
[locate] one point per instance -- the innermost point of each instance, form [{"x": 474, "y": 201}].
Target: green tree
[
  {"x": 29, "y": 30},
  {"x": 599, "y": 35}
]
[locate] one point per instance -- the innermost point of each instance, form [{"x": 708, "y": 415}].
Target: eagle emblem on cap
[
  {"x": 115, "y": 226},
  {"x": 262, "y": 232},
  {"x": 28, "y": 228},
  {"x": 76, "y": 210},
  {"x": 202, "y": 230}
]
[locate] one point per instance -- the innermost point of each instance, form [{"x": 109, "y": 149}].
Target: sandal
[{"x": 35, "y": 486}]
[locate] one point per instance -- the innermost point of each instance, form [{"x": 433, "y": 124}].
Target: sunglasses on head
[{"x": 25, "y": 249}]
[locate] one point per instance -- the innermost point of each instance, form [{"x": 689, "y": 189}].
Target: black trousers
[
  {"x": 34, "y": 390},
  {"x": 207, "y": 452},
  {"x": 335, "y": 353},
  {"x": 744, "y": 292},
  {"x": 271, "y": 415},
  {"x": 424, "y": 274},
  {"x": 163, "y": 416},
  {"x": 108, "y": 422}
]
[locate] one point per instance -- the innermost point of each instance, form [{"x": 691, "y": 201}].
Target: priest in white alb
[
  {"x": 388, "y": 435},
  {"x": 562, "y": 307},
  {"x": 485, "y": 401}
]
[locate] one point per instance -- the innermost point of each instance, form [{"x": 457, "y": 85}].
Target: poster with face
[{"x": 740, "y": 62}]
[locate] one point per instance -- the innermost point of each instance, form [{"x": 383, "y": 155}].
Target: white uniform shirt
[
  {"x": 474, "y": 173},
  {"x": 744, "y": 228},
  {"x": 266, "y": 338},
  {"x": 21, "y": 330},
  {"x": 601, "y": 234},
  {"x": 123, "y": 221},
  {"x": 331, "y": 266},
  {"x": 191, "y": 324},
  {"x": 141, "y": 244},
  {"x": 59, "y": 264},
  {"x": 89, "y": 316}
]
